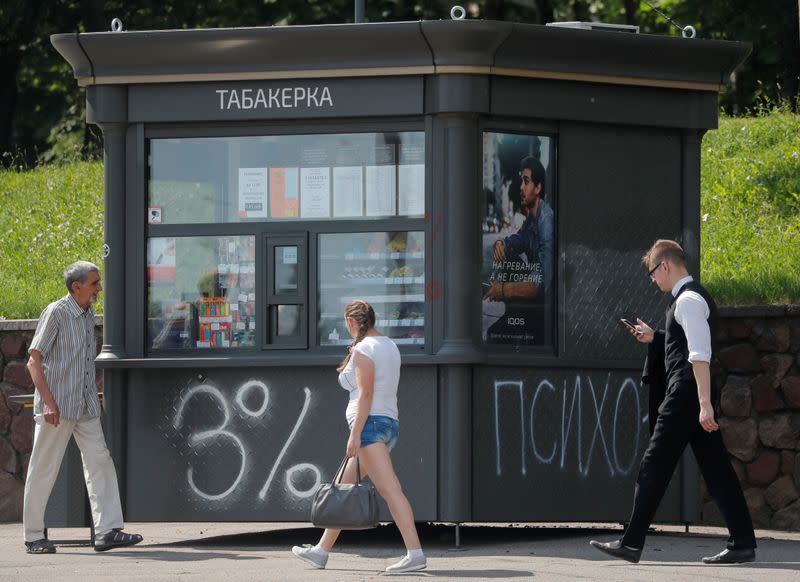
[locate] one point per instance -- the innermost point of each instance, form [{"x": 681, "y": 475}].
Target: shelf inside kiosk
[{"x": 386, "y": 269}]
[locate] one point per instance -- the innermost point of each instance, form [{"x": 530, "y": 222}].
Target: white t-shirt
[{"x": 386, "y": 357}]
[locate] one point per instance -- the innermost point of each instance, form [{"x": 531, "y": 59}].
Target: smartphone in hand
[{"x": 629, "y": 325}]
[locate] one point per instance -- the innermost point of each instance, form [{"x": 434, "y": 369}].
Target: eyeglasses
[{"x": 652, "y": 272}]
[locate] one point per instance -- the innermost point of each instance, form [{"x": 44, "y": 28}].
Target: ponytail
[{"x": 364, "y": 315}]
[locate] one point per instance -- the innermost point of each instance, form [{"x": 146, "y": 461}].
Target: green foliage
[
  {"x": 51, "y": 216},
  {"x": 750, "y": 209}
]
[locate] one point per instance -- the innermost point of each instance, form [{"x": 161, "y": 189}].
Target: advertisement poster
[
  {"x": 411, "y": 180},
  {"x": 284, "y": 199},
  {"x": 252, "y": 192},
  {"x": 518, "y": 239},
  {"x": 315, "y": 192},
  {"x": 381, "y": 182},
  {"x": 348, "y": 191}
]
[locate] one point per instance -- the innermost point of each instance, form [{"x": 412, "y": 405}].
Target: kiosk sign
[{"x": 275, "y": 98}]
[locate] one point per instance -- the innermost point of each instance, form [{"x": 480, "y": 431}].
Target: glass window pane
[
  {"x": 288, "y": 177},
  {"x": 201, "y": 292},
  {"x": 288, "y": 320},
  {"x": 285, "y": 269},
  {"x": 387, "y": 269}
]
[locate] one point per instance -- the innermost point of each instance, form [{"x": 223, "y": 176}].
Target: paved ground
[{"x": 199, "y": 551}]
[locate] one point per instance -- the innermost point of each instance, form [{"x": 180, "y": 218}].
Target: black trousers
[{"x": 677, "y": 426}]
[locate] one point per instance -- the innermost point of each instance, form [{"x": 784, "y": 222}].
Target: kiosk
[{"x": 488, "y": 186}]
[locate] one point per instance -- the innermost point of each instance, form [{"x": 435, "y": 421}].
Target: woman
[{"x": 371, "y": 373}]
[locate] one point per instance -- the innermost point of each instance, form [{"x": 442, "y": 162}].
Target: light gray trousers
[{"x": 49, "y": 444}]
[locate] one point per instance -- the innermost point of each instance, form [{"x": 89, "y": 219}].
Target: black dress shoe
[
  {"x": 732, "y": 557},
  {"x": 617, "y": 550}
]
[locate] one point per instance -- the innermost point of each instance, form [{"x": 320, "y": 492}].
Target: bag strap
[{"x": 340, "y": 471}]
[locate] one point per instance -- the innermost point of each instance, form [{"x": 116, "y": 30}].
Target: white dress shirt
[{"x": 691, "y": 313}]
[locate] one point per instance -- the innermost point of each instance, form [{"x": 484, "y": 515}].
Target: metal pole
[{"x": 359, "y": 11}]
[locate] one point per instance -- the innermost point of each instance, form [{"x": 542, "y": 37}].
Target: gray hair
[{"x": 78, "y": 271}]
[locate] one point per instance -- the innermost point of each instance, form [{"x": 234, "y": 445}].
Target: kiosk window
[
  {"x": 201, "y": 292},
  {"x": 286, "y": 177},
  {"x": 387, "y": 269}
]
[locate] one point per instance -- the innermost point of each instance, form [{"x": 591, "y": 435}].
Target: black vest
[{"x": 676, "y": 349}]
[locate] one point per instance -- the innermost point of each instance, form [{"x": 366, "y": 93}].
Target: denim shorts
[{"x": 380, "y": 429}]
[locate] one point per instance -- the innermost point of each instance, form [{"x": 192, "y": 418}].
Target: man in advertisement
[{"x": 522, "y": 265}]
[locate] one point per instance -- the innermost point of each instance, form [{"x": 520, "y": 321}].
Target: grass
[
  {"x": 750, "y": 209},
  {"x": 52, "y": 215}
]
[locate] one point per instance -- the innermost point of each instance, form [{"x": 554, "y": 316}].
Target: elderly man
[{"x": 65, "y": 404}]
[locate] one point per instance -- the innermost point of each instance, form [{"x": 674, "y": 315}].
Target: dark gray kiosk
[{"x": 489, "y": 187}]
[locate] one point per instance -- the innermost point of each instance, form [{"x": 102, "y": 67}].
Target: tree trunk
[
  {"x": 10, "y": 59},
  {"x": 631, "y": 11}
]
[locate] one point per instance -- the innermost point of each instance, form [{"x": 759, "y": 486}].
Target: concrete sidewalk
[{"x": 259, "y": 551}]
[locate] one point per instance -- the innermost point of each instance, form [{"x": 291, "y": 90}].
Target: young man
[
  {"x": 686, "y": 415},
  {"x": 66, "y": 404}
]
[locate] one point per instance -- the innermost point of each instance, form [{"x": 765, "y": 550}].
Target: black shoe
[
  {"x": 617, "y": 550},
  {"x": 732, "y": 557},
  {"x": 42, "y": 546},
  {"x": 116, "y": 538}
]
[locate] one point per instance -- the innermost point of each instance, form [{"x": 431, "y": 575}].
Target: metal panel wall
[
  {"x": 619, "y": 190},
  {"x": 560, "y": 445},
  {"x": 253, "y": 444}
]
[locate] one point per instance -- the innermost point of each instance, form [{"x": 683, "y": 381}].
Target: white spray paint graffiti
[
  {"x": 572, "y": 420},
  {"x": 201, "y": 438}
]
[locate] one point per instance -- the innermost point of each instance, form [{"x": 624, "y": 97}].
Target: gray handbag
[{"x": 345, "y": 505}]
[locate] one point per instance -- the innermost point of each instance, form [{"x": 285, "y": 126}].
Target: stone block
[
  {"x": 740, "y": 437},
  {"x": 780, "y": 431},
  {"x": 740, "y": 358},
  {"x": 22, "y": 433},
  {"x": 764, "y": 469},
  {"x": 8, "y": 456},
  {"x": 739, "y": 328},
  {"x": 5, "y": 414},
  {"x": 736, "y": 399},
  {"x": 781, "y": 493},
  {"x": 12, "y": 491},
  {"x": 796, "y": 471},
  {"x": 790, "y": 387},
  {"x": 776, "y": 366},
  {"x": 760, "y": 512},
  {"x": 26, "y": 460},
  {"x": 13, "y": 346},
  {"x": 764, "y": 395},
  {"x": 739, "y": 469},
  {"x": 788, "y": 518},
  {"x": 12, "y": 390},
  {"x": 787, "y": 462},
  {"x": 776, "y": 338},
  {"x": 16, "y": 372},
  {"x": 794, "y": 346}
]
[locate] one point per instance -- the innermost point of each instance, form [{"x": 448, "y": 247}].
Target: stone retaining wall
[
  {"x": 16, "y": 425},
  {"x": 758, "y": 367}
]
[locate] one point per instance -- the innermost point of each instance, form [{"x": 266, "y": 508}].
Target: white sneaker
[
  {"x": 311, "y": 556},
  {"x": 407, "y": 564}
]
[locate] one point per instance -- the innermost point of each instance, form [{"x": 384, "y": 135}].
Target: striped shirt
[{"x": 65, "y": 338}]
